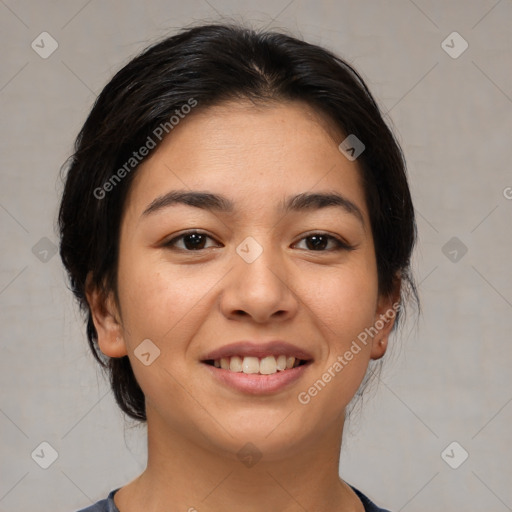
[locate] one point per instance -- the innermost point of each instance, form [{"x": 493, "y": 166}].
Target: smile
[{"x": 254, "y": 365}]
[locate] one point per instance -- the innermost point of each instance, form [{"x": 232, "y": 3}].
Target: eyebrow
[{"x": 221, "y": 204}]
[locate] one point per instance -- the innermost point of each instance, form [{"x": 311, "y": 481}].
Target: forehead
[
  {"x": 257, "y": 129},
  {"x": 253, "y": 153}
]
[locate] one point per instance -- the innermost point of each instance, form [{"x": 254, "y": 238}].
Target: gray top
[{"x": 108, "y": 505}]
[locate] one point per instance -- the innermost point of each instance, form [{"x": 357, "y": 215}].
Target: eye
[
  {"x": 322, "y": 242},
  {"x": 190, "y": 241}
]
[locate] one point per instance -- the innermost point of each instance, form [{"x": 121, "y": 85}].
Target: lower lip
[{"x": 255, "y": 383}]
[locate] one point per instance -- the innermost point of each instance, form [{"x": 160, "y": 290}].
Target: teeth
[
  {"x": 235, "y": 364},
  {"x": 251, "y": 365},
  {"x": 265, "y": 366},
  {"x": 281, "y": 363},
  {"x": 268, "y": 365}
]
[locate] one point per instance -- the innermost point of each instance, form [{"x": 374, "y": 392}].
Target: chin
[{"x": 270, "y": 441}]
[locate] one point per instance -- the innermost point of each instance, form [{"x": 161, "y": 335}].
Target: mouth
[
  {"x": 265, "y": 358},
  {"x": 257, "y": 376},
  {"x": 267, "y": 365}
]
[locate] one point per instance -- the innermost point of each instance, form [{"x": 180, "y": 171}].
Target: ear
[
  {"x": 385, "y": 316},
  {"x": 106, "y": 318}
]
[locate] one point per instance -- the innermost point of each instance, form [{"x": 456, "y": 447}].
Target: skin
[{"x": 189, "y": 303}]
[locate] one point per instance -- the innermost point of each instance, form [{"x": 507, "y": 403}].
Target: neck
[{"x": 182, "y": 475}]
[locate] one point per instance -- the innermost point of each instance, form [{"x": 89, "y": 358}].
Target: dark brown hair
[{"x": 212, "y": 64}]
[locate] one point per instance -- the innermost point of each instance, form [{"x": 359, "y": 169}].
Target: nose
[{"x": 259, "y": 291}]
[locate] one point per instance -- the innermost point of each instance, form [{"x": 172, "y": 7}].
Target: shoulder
[
  {"x": 106, "y": 505},
  {"x": 369, "y": 506}
]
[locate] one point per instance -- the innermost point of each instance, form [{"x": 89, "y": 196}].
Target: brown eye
[
  {"x": 322, "y": 242},
  {"x": 192, "y": 241}
]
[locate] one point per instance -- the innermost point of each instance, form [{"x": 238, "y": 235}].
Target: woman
[{"x": 237, "y": 226}]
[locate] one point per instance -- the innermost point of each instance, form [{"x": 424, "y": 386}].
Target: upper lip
[{"x": 258, "y": 349}]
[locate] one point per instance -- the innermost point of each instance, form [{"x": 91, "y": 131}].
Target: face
[{"x": 279, "y": 250}]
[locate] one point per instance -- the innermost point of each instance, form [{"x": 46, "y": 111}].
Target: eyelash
[{"x": 340, "y": 244}]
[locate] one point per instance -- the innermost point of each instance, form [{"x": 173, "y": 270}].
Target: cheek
[
  {"x": 343, "y": 306},
  {"x": 164, "y": 304},
  {"x": 160, "y": 299},
  {"x": 343, "y": 301}
]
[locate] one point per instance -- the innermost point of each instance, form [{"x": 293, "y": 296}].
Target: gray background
[{"x": 447, "y": 380}]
